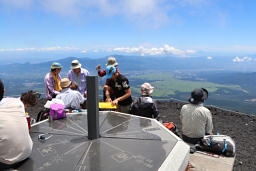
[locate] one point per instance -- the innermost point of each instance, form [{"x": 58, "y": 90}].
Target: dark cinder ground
[{"x": 241, "y": 127}]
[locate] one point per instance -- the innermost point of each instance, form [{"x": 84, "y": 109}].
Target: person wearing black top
[
  {"x": 145, "y": 105},
  {"x": 120, "y": 87}
]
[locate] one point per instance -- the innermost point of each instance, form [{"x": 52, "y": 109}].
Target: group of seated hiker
[
  {"x": 72, "y": 89},
  {"x": 195, "y": 118},
  {"x": 16, "y": 144}
]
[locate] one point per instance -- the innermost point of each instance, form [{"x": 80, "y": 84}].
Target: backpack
[
  {"x": 218, "y": 144},
  {"x": 172, "y": 127},
  {"x": 57, "y": 111},
  {"x": 43, "y": 114}
]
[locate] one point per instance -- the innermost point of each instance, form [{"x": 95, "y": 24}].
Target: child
[{"x": 111, "y": 61}]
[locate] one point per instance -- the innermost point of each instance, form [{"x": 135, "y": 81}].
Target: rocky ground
[{"x": 241, "y": 127}]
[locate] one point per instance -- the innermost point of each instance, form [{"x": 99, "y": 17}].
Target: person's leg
[
  {"x": 123, "y": 109},
  {"x": 104, "y": 95},
  {"x": 84, "y": 105},
  {"x": 191, "y": 140}
]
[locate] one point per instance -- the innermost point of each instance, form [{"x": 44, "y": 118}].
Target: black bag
[
  {"x": 218, "y": 144},
  {"x": 43, "y": 114}
]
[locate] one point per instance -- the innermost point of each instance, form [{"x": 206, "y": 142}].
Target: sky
[{"x": 45, "y": 29}]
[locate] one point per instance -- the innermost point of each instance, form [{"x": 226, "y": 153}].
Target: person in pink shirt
[{"x": 52, "y": 81}]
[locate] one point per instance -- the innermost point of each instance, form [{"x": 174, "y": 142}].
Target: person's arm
[
  {"x": 209, "y": 125},
  {"x": 127, "y": 94},
  {"x": 155, "y": 111},
  {"x": 73, "y": 85},
  {"x": 82, "y": 88},
  {"x": 132, "y": 108},
  {"x": 181, "y": 113},
  {"x": 100, "y": 73},
  {"x": 107, "y": 93},
  {"x": 50, "y": 86}
]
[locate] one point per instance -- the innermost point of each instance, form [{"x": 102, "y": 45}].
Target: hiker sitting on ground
[
  {"x": 15, "y": 141},
  {"x": 196, "y": 119},
  {"x": 52, "y": 81},
  {"x": 119, "y": 84},
  {"x": 72, "y": 99},
  {"x": 144, "y": 105},
  {"x": 111, "y": 61},
  {"x": 77, "y": 75}
]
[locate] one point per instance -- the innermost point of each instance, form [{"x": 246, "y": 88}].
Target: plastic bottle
[{"x": 28, "y": 120}]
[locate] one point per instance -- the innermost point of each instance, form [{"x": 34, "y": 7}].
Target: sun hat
[
  {"x": 198, "y": 95},
  {"x": 75, "y": 64},
  {"x": 112, "y": 61},
  {"x": 65, "y": 82},
  {"x": 56, "y": 65},
  {"x": 147, "y": 89},
  {"x": 110, "y": 70}
]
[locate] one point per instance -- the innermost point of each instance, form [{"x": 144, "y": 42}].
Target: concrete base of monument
[{"x": 126, "y": 142}]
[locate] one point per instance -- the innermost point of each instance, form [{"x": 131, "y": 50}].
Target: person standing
[
  {"x": 145, "y": 105},
  {"x": 196, "y": 119},
  {"x": 111, "y": 61},
  {"x": 52, "y": 81},
  {"x": 77, "y": 75},
  {"x": 120, "y": 87}
]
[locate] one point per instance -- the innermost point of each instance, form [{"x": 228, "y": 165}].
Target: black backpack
[
  {"x": 218, "y": 144},
  {"x": 43, "y": 114}
]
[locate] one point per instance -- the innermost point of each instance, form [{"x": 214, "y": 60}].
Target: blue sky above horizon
[{"x": 46, "y": 28}]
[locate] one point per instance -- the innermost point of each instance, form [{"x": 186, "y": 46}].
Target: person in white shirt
[
  {"x": 196, "y": 119},
  {"x": 72, "y": 99},
  {"x": 15, "y": 141}
]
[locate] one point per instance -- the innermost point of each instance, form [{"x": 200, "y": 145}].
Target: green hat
[{"x": 56, "y": 65}]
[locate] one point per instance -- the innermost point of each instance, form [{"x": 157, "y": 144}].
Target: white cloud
[
  {"x": 84, "y": 51},
  {"x": 242, "y": 59},
  {"x": 18, "y": 3},
  {"x": 63, "y": 7},
  {"x": 195, "y": 3},
  {"x": 53, "y": 48},
  {"x": 153, "y": 12},
  {"x": 209, "y": 57},
  {"x": 165, "y": 50}
]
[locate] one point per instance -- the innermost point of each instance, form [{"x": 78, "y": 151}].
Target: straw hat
[
  {"x": 65, "y": 82},
  {"x": 112, "y": 61}
]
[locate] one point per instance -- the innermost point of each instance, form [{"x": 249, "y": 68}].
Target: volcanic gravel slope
[{"x": 241, "y": 127}]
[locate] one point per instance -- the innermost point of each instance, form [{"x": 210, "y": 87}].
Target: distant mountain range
[
  {"x": 140, "y": 63},
  {"x": 230, "y": 86}
]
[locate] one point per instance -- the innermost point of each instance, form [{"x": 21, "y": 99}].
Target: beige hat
[
  {"x": 112, "y": 61},
  {"x": 65, "y": 82},
  {"x": 75, "y": 64}
]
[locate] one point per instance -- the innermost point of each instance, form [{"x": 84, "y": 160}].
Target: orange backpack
[{"x": 172, "y": 127}]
